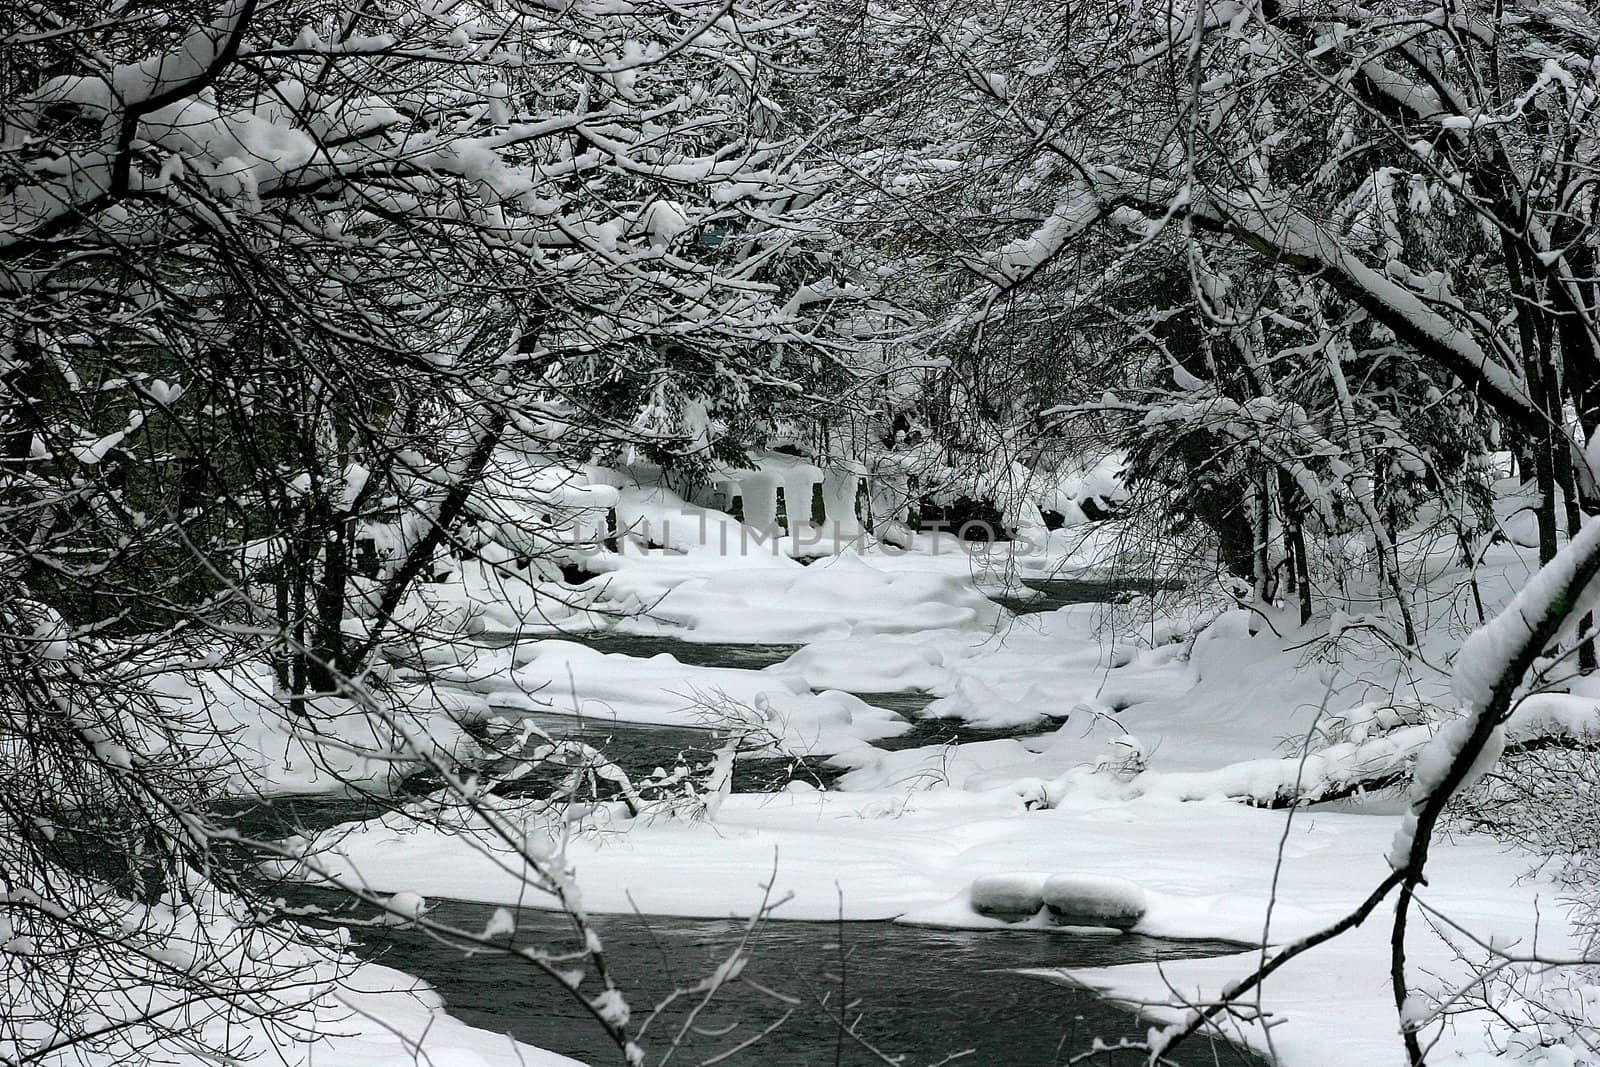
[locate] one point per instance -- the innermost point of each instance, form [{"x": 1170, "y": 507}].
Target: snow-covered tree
[{"x": 277, "y": 281}]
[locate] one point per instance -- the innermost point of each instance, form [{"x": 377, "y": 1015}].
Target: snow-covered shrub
[
  {"x": 1544, "y": 797},
  {"x": 280, "y": 281}
]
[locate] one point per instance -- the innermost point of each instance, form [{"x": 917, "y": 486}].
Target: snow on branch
[
  {"x": 1016, "y": 262},
  {"x": 1273, "y": 226},
  {"x": 1489, "y": 671}
]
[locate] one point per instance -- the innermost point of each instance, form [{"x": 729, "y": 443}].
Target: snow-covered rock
[
  {"x": 1011, "y": 897},
  {"x": 1082, "y": 900}
]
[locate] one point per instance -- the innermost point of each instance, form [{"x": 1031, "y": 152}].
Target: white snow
[
  {"x": 234, "y": 720},
  {"x": 565, "y": 678},
  {"x": 1120, "y": 812},
  {"x": 334, "y": 1012},
  {"x": 1082, "y": 900}
]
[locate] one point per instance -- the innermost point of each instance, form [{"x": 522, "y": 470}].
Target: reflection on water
[{"x": 920, "y": 993}]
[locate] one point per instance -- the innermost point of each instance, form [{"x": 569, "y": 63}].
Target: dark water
[
  {"x": 922, "y": 994},
  {"x": 750, "y": 657},
  {"x": 1059, "y": 592},
  {"x": 930, "y": 731},
  {"x": 280, "y": 817},
  {"x": 639, "y": 749}
]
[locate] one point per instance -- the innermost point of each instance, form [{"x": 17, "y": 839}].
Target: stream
[
  {"x": 912, "y": 995},
  {"x": 918, "y": 993}
]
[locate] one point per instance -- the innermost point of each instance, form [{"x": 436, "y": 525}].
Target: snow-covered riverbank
[{"x": 1145, "y": 750}]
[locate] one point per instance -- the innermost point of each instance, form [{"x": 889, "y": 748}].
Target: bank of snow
[
  {"x": 838, "y": 596},
  {"x": 1143, "y": 738},
  {"x": 1204, "y": 870},
  {"x": 699, "y": 574},
  {"x": 769, "y": 709},
  {"x": 394, "y": 1020},
  {"x": 195, "y": 978},
  {"x": 374, "y": 1017},
  {"x": 235, "y": 724}
]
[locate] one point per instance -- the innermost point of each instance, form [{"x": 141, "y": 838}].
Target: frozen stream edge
[{"x": 897, "y": 996}]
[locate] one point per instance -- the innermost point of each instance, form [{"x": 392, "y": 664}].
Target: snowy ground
[
  {"x": 561, "y": 677},
  {"x": 1147, "y": 742},
  {"x": 698, "y": 574},
  {"x": 326, "y": 1008}
]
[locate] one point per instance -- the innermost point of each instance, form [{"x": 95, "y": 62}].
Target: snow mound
[
  {"x": 771, "y": 709},
  {"x": 1084, "y": 900},
  {"x": 1011, "y": 897},
  {"x": 837, "y": 597},
  {"x": 259, "y": 743},
  {"x": 1066, "y": 899}
]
